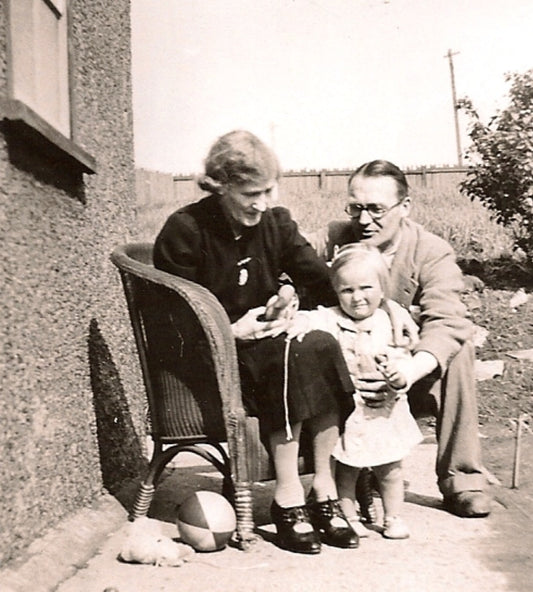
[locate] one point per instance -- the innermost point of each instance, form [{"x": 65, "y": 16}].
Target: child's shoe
[
  {"x": 358, "y": 526},
  {"x": 395, "y": 528}
]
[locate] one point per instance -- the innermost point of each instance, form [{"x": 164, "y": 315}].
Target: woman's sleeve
[
  {"x": 302, "y": 264},
  {"x": 177, "y": 247}
]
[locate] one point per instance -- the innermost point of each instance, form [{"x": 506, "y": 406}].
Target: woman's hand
[
  {"x": 283, "y": 304},
  {"x": 404, "y": 329},
  {"x": 249, "y": 327}
]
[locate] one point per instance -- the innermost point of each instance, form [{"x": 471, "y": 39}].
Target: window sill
[{"x": 28, "y": 127}]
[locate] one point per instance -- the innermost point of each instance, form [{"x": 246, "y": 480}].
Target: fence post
[
  {"x": 321, "y": 179},
  {"x": 424, "y": 177}
]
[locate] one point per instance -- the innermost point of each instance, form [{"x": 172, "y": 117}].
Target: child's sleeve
[{"x": 317, "y": 320}]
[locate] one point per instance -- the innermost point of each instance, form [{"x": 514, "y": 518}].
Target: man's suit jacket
[{"x": 425, "y": 278}]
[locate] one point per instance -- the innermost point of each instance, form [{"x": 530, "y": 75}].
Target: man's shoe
[
  {"x": 295, "y": 531},
  {"x": 468, "y": 504},
  {"x": 331, "y": 523}
]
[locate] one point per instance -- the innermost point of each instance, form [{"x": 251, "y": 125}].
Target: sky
[{"x": 327, "y": 83}]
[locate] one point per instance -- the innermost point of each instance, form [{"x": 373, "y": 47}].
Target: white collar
[{"x": 363, "y": 326}]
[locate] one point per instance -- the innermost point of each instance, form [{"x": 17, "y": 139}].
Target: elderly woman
[{"x": 236, "y": 245}]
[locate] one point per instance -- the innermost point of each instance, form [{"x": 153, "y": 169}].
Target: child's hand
[
  {"x": 298, "y": 327},
  {"x": 392, "y": 371}
]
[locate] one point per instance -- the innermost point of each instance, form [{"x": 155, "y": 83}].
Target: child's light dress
[{"x": 372, "y": 436}]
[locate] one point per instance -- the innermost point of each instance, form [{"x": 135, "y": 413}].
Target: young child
[{"x": 374, "y": 436}]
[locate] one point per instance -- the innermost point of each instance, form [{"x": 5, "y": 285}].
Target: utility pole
[{"x": 450, "y": 55}]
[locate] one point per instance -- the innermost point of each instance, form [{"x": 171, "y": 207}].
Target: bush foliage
[{"x": 501, "y": 161}]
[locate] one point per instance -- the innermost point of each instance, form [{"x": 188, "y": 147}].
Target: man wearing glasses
[{"x": 426, "y": 280}]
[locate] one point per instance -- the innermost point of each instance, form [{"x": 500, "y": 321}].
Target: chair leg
[
  {"x": 239, "y": 494},
  {"x": 228, "y": 490},
  {"x": 147, "y": 487},
  {"x": 243, "y": 505},
  {"x": 160, "y": 458},
  {"x": 143, "y": 500}
]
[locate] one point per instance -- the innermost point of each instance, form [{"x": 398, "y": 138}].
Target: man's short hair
[{"x": 383, "y": 168}]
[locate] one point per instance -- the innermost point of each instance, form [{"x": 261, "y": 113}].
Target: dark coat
[{"x": 197, "y": 243}]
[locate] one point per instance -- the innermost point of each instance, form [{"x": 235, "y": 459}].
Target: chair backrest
[
  {"x": 186, "y": 349},
  {"x": 189, "y": 363}
]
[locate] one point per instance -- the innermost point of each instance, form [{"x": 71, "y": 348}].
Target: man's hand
[
  {"x": 374, "y": 389},
  {"x": 404, "y": 329}
]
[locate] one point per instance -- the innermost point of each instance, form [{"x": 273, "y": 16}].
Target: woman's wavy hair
[{"x": 238, "y": 157}]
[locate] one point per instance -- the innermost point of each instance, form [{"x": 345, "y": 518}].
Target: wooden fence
[{"x": 162, "y": 188}]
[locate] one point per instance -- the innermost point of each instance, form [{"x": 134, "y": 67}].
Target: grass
[
  {"x": 466, "y": 225},
  {"x": 151, "y": 217},
  {"x": 483, "y": 248}
]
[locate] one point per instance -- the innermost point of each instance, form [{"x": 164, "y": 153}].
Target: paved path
[{"x": 444, "y": 552}]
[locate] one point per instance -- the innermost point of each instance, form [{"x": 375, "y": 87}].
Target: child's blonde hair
[
  {"x": 238, "y": 157},
  {"x": 365, "y": 256}
]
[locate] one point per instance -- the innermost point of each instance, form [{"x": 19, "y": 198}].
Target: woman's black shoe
[
  {"x": 331, "y": 523},
  {"x": 286, "y": 521}
]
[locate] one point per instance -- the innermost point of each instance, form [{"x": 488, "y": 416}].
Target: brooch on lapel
[{"x": 243, "y": 271}]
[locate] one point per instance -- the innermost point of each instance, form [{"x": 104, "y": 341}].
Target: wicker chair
[{"x": 189, "y": 365}]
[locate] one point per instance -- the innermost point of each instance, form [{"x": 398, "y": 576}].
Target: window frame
[{"x": 27, "y": 126}]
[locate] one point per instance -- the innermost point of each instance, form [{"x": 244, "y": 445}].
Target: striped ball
[{"x": 206, "y": 521}]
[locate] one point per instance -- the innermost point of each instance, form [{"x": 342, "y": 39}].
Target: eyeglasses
[{"x": 375, "y": 211}]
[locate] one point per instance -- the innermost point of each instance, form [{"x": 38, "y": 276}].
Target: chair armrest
[{"x": 210, "y": 313}]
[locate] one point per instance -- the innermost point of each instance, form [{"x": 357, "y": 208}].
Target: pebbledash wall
[{"x": 71, "y": 406}]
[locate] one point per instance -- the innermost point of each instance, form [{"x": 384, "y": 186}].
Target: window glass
[{"x": 39, "y": 59}]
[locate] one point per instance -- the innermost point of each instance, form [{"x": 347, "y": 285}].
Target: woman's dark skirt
[{"x": 318, "y": 379}]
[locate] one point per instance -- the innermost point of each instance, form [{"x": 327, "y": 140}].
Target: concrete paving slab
[{"x": 443, "y": 553}]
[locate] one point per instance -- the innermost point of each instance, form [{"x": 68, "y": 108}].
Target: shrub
[{"x": 501, "y": 156}]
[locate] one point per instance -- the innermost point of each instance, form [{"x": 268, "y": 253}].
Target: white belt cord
[{"x": 288, "y": 429}]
